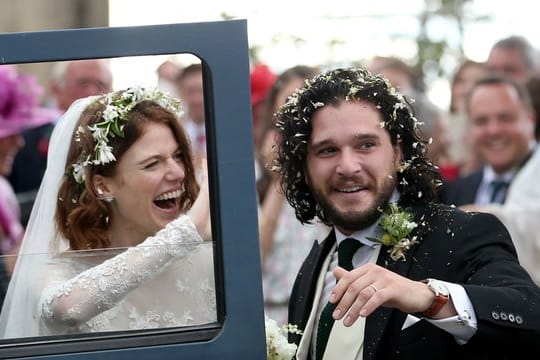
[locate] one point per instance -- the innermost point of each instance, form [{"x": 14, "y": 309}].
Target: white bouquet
[{"x": 277, "y": 346}]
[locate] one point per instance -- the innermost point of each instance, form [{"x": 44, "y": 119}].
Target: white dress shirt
[{"x": 483, "y": 195}]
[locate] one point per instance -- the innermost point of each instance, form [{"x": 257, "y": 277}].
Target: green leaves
[{"x": 397, "y": 225}]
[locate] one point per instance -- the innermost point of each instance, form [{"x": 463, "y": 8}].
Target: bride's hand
[{"x": 200, "y": 211}]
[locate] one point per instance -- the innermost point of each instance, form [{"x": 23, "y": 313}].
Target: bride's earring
[{"x": 102, "y": 196}]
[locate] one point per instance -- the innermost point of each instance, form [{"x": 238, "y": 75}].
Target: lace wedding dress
[{"x": 166, "y": 281}]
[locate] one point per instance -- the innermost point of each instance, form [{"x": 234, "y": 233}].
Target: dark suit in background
[
  {"x": 29, "y": 166},
  {"x": 462, "y": 191}
]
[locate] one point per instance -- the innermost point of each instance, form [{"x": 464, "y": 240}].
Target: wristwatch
[{"x": 441, "y": 297}]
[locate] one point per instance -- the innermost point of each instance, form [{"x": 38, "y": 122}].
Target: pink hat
[
  {"x": 261, "y": 81},
  {"x": 19, "y": 107}
]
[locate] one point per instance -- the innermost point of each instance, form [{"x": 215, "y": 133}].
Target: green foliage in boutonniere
[{"x": 397, "y": 225}]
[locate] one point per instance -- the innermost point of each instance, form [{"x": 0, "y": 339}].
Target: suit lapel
[
  {"x": 377, "y": 322},
  {"x": 303, "y": 351},
  {"x": 304, "y": 287},
  {"x": 471, "y": 189}
]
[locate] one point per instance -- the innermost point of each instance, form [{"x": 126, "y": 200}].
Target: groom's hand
[{"x": 361, "y": 291}]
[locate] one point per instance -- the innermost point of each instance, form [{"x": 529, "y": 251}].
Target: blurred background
[
  {"x": 432, "y": 51},
  {"x": 433, "y": 36}
]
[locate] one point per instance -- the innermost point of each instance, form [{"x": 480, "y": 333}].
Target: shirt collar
[
  {"x": 360, "y": 235},
  {"x": 490, "y": 175}
]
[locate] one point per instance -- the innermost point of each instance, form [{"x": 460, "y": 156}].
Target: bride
[{"x": 121, "y": 252}]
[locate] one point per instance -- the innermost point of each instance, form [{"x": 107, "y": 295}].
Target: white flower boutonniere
[
  {"x": 397, "y": 225},
  {"x": 277, "y": 346}
]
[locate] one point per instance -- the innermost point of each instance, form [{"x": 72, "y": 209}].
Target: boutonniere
[{"x": 397, "y": 225}]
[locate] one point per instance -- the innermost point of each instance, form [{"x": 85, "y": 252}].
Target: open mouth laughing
[{"x": 168, "y": 199}]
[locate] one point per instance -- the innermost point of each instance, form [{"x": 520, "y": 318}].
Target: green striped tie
[{"x": 347, "y": 248}]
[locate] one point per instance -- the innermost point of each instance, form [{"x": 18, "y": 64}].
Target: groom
[{"x": 421, "y": 280}]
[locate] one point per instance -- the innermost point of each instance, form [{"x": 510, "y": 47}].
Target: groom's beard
[{"x": 356, "y": 220}]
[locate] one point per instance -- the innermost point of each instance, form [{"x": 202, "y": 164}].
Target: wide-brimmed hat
[{"x": 19, "y": 103}]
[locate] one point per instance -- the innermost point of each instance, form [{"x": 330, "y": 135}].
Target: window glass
[
  {"x": 227, "y": 224},
  {"x": 151, "y": 284}
]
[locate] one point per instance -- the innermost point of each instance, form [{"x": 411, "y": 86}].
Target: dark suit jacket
[
  {"x": 462, "y": 191},
  {"x": 29, "y": 166},
  {"x": 474, "y": 250}
]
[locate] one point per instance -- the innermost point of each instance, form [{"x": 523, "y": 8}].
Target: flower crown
[{"x": 113, "y": 119}]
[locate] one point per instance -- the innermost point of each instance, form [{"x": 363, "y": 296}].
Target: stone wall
[{"x": 38, "y": 15}]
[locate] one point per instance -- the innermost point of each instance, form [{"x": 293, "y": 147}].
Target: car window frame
[{"x": 222, "y": 47}]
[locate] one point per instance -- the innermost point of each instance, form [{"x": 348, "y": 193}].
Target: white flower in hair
[
  {"x": 78, "y": 173},
  {"x": 104, "y": 155},
  {"x": 98, "y": 133},
  {"x": 110, "y": 113}
]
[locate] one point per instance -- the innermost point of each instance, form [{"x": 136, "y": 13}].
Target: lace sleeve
[{"x": 69, "y": 303}]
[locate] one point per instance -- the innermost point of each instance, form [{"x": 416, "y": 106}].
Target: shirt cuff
[{"x": 462, "y": 326}]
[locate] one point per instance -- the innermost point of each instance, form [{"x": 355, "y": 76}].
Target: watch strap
[{"x": 437, "y": 304}]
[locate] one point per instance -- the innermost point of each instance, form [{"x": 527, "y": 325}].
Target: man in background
[
  {"x": 513, "y": 57},
  {"x": 501, "y": 124},
  {"x": 190, "y": 89}
]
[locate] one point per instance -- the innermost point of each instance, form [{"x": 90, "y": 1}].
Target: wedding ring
[{"x": 373, "y": 287}]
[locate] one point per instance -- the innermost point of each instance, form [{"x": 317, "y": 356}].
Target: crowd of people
[
  {"x": 340, "y": 154},
  {"x": 483, "y": 149}
]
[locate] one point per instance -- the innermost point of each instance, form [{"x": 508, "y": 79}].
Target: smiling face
[
  {"x": 351, "y": 164},
  {"x": 146, "y": 186},
  {"x": 501, "y": 128}
]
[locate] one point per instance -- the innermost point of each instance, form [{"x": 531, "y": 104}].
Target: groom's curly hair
[{"x": 416, "y": 181}]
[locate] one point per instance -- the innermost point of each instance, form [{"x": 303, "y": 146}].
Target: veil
[{"x": 19, "y": 316}]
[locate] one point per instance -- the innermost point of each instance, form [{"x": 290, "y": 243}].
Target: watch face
[{"x": 439, "y": 287}]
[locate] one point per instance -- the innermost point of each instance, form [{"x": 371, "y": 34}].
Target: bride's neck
[{"x": 125, "y": 236}]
